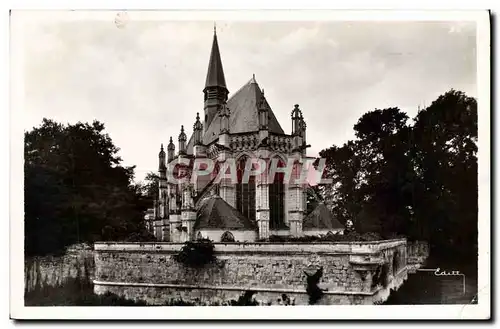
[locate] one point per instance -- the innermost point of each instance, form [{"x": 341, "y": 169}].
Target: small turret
[
  {"x": 197, "y": 130},
  {"x": 224, "y": 119},
  {"x": 170, "y": 150},
  {"x": 298, "y": 130},
  {"x": 182, "y": 142},
  {"x": 296, "y": 120},
  {"x": 303, "y": 127},
  {"x": 263, "y": 113},
  {"x": 161, "y": 158}
]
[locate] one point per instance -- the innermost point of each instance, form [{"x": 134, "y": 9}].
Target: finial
[
  {"x": 262, "y": 92},
  {"x": 296, "y": 106},
  {"x": 215, "y": 32},
  {"x": 171, "y": 141},
  {"x": 182, "y": 128},
  {"x": 253, "y": 79},
  {"x": 161, "y": 146},
  {"x": 197, "y": 116}
]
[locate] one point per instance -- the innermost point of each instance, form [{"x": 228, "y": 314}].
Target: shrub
[
  {"x": 352, "y": 236},
  {"x": 196, "y": 253}
]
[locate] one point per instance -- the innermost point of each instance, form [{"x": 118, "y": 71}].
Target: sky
[{"x": 144, "y": 79}]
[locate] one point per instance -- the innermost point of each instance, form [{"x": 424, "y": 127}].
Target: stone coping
[
  {"x": 256, "y": 243},
  {"x": 347, "y": 247}
]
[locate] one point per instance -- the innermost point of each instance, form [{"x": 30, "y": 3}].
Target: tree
[
  {"x": 420, "y": 180},
  {"x": 343, "y": 167},
  {"x": 75, "y": 188},
  {"x": 445, "y": 137},
  {"x": 383, "y": 148},
  {"x": 149, "y": 186}
]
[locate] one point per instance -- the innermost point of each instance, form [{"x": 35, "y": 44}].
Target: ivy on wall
[{"x": 196, "y": 253}]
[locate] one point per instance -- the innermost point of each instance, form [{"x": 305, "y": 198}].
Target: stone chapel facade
[{"x": 237, "y": 128}]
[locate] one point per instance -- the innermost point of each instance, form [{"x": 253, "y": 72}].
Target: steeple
[
  {"x": 215, "y": 91},
  {"x": 215, "y": 74}
]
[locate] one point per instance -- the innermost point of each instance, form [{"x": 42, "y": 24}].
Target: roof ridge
[{"x": 249, "y": 82}]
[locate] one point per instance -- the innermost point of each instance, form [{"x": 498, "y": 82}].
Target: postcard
[{"x": 183, "y": 163}]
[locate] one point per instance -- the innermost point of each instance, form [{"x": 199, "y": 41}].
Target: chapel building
[{"x": 235, "y": 128}]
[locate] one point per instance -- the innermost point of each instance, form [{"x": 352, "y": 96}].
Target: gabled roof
[
  {"x": 244, "y": 115},
  {"x": 215, "y": 73},
  {"x": 215, "y": 213},
  {"x": 321, "y": 219}
]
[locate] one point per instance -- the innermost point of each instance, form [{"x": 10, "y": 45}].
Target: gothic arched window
[
  {"x": 277, "y": 199},
  {"x": 245, "y": 191},
  {"x": 227, "y": 237},
  {"x": 214, "y": 174}
]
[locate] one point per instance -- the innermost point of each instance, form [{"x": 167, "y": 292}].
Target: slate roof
[
  {"x": 243, "y": 107},
  {"x": 215, "y": 73},
  {"x": 321, "y": 218},
  {"x": 215, "y": 213}
]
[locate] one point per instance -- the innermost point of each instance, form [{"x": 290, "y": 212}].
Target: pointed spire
[
  {"x": 262, "y": 101},
  {"x": 171, "y": 150},
  {"x": 263, "y": 112},
  {"x": 182, "y": 141},
  {"x": 215, "y": 74},
  {"x": 197, "y": 130},
  {"x": 161, "y": 156},
  {"x": 224, "y": 114},
  {"x": 182, "y": 135},
  {"x": 171, "y": 145},
  {"x": 162, "y": 152},
  {"x": 197, "y": 124},
  {"x": 296, "y": 120}
]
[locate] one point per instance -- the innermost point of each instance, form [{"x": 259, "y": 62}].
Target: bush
[{"x": 196, "y": 253}]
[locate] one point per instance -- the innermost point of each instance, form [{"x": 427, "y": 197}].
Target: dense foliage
[
  {"x": 417, "y": 179},
  {"x": 349, "y": 237},
  {"x": 149, "y": 186},
  {"x": 196, "y": 253},
  {"x": 76, "y": 190}
]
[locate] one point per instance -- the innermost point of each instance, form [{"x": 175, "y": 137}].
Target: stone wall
[
  {"x": 418, "y": 252},
  {"x": 351, "y": 271},
  {"x": 78, "y": 261}
]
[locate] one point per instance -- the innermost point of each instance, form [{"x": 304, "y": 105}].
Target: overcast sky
[{"x": 144, "y": 79}]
